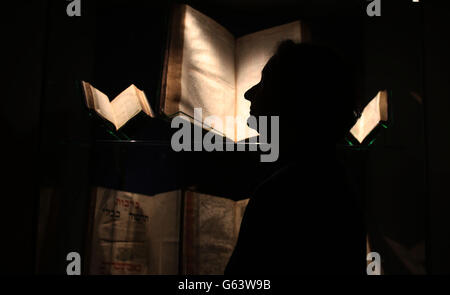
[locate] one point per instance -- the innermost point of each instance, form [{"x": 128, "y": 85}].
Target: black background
[{"x": 51, "y": 142}]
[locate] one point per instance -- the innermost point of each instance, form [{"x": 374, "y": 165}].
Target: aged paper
[
  {"x": 375, "y": 111},
  {"x": 119, "y": 111},
  {"x": 210, "y": 232},
  {"x": 207, "y": 76},
  {"x": 208, "y": 68},
  {"x": 126, "y": 105},
  {"x": 134, "y": 233}
]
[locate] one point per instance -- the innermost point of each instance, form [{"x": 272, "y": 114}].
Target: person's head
[{"x": 309, "y": 88}]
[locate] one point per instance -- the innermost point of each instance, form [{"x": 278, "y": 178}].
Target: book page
[
  {"x": 211, "y": 230},
  {"x": 99, "y": 102},
  {"x": 252, "y": 53},
  {"x": 374, "y": 112},
  {"x": 88, "y": 95},
  {"x": 145, "y": 106},
  {"x": 134, "y": 233},
  {"x": 126, "y": 105},
  {"x": 239, "y": 210},
  {"x": 207, "y": 75}
]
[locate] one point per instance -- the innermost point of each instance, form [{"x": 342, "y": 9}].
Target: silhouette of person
[{"x": 304, "y": 218}]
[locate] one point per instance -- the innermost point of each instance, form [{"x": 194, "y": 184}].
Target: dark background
[{"x": 53, "y": 148}]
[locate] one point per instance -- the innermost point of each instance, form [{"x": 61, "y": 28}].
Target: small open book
[
  {"x": 373, "y": 115},
  {"x": 121, "y": 109},
  {"x": 207, "y": 67}
]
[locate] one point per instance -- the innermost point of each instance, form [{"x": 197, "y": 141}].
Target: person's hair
[{"x": 314, "y": 82}]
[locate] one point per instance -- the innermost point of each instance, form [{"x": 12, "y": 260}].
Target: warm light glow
[
  {"x": 217, "y": 69},
  {"x": 372, "y": 114}
]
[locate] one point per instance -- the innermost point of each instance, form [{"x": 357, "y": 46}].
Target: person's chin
[{"x": 254, "y": 113}]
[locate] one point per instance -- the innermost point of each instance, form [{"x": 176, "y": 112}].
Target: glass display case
[{"x": 129, "y": 204}]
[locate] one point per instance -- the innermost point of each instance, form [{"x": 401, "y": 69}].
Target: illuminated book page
[
  {"x": 134, "y": 233},
  {"x": 98, "y": 101},
  {"x": 144, "y": 102},
  {"x": 126, "y": 105},
  {"x": 207, "y": 75},
  {"x": 373, "y": 113},
  {"x": 211, "y": 230},
  {"x": 252, "y": 53}
]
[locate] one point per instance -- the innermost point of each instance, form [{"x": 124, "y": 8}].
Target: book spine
[{"x": 171, "y": 80}]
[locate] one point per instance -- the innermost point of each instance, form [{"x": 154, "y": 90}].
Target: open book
[
  {"x": 121, "y": 109},
  {"x": 373, "y": 115},
  {"x": 207, "y": 67},
  {"x": 211, "y": 228},
  {"x": 131, "y": 233}
]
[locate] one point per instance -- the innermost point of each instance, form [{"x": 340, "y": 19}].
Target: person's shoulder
[
  {"x": 274, "y": 179},
  {"x": 279, "y": 184},
  {"x": 320, "y": 182}
]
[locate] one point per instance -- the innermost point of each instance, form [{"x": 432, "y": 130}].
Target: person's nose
[{"x": 250, "y": 94}]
